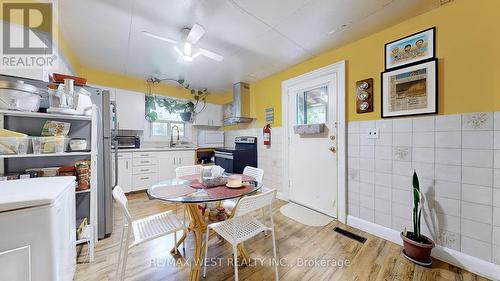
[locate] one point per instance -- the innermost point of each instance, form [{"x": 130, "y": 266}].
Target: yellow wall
[
  {"x": 468, "y": 48},
  {"x": 116, "y": 80}
]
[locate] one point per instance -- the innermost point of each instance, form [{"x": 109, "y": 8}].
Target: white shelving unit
[
  {"x": 90, "y": 232},
  {"x": 65, "y": 154}
]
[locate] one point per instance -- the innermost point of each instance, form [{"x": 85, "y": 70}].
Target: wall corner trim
[{"x": 456, "y": 258}]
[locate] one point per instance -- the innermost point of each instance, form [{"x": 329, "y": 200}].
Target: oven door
[{"x": 225, "y": 160}]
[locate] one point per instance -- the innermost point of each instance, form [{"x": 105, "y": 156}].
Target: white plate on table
[{"x": 234, "y": 186}]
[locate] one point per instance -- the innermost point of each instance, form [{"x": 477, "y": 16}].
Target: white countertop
[
  {"x": 25, "y": 193},
  {"x": 143, "y": 149}
]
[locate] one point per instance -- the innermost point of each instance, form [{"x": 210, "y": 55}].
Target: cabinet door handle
[
  {"x": 126, "y": 164},
  {"x": 144, "y": 162},
  {"x": 180, "y": 161},
  {"x": 145, "y": 178},
  {"x": 174, "y": 161},
  {"x": 144, "y": 170}
]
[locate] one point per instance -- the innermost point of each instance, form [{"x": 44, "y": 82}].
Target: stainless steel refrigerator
[{"x": 105, "y": 128}]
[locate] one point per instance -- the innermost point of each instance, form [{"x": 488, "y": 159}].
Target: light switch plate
[{"x": 372, "y": 133}]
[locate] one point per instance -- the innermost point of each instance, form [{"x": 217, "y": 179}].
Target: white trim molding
[
  {"x": 456, "y": 258},
  {"x": 338, "y": 70}
]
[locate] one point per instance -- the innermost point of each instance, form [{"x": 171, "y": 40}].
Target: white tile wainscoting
[{"x": 457, "y": 159}]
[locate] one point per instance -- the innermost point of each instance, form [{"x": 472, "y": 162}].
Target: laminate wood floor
[{"x": 307, "y": 253}]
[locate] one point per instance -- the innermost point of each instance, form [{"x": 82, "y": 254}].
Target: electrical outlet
[{"x": 372, "y": 133}]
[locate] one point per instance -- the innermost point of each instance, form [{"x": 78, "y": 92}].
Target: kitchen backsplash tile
[
  {"x": 479, "y": 121},
  {"x": 402, "y": 125},
  {"x": 449, "y": 139},
  {"x": 477, "y": 230},
  {"x": 477, "y": 139},
  {"x": 424, "y": 124},
  {"x": 450, "y": 156},
  {"x": 448, "y": 123},
  {"x": 476, "y": 248},
  {"x": 482, "y": 158},
  {"x": 477, "y": 194}
]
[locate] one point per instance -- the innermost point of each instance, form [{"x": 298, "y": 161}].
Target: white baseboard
[
  {"x": 456, "y": 258},
  {"x": 280, "y": 195}
]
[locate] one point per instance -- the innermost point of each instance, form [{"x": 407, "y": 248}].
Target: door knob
[
  {"x": 333, "y": 149},
  {"x": 332, "y": 137}
]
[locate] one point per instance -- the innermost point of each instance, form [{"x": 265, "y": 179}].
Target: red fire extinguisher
[{"x": 267, "y": 134}]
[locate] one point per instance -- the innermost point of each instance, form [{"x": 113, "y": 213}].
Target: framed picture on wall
[
  {"x": 410, "y": 49},
  {"x": 411, "y": 90}
]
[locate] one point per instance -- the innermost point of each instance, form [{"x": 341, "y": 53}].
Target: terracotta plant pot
[{"x": 417, "y": 252}]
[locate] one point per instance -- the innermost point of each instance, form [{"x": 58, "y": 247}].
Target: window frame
[{"x": 148, "y": 129}]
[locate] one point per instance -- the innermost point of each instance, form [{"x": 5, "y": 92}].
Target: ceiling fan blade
[
  {"x": 210, "y": 54},
  {"x": 195, "y": 33},
  {"x": 178, "y": 51},
  {"x": 149, "y": 34}
]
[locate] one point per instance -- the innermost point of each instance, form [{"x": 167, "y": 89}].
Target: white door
[{"x": 312, "y": 157}]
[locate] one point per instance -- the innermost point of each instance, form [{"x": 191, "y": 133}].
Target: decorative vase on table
[{"x": 417, "y": 247}]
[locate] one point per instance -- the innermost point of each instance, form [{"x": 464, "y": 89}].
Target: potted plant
[
  {"x": 417, "y": 247},
  {"x": 188, "y": 111}
]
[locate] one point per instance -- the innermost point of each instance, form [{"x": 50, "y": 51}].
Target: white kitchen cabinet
[
  {"x": 169, "y": 160},
  {"x": 185, "y": 158},
  {"x": 139, "y": 170},
  {"x": 211, "y": 116},
  {"x": 125, "y": 174},
  {"x": 131, "y": 110},
  {"x": 124, "y": 171},
  {"x": 166, "y": 166}
]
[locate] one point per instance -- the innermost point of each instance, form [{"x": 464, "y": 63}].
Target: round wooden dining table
[{"x": 189, "y": 191}]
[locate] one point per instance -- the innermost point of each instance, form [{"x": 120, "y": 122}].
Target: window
[
  {"x": 312, "y": 106},
  {"x": 162, "y": 127}
]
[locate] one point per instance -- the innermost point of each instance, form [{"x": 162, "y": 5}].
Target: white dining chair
[
  {"x": 188, "y": 170},
  {"x": 144, "y": 230},
  {"x": 243, "y": 226},
  {"x": 256, "y": 173}
]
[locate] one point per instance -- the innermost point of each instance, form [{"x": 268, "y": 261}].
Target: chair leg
[
  {"x": 235, "y": 256},
  {"x": 206, "y": 253},
  {"x": 120, "y": 252},
  {"x": 184, "y": 221},
  {"x": 176, "y": 251},
  {"x": 125, "y": 256},
  {"x": 275, "y": 255},
  {"x": 264, "y": 218}
]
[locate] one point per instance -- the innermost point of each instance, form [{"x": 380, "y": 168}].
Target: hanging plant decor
[{"x": 169, "y": 104}]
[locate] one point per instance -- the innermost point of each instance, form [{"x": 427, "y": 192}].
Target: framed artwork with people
[{"x": 410, "y": 49}]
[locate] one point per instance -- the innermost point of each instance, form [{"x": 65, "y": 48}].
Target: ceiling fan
[{"x": 189, "y": 51}]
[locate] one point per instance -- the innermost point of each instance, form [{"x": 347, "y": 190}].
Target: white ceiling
[{"x": 256, "y": 37}]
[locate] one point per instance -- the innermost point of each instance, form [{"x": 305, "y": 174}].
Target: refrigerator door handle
[{"x": 114, "y": 140}]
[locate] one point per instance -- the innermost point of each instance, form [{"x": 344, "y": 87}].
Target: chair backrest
[
  {"x": 256, "y": 173},
  {"x": 188, "y": 170},
  {"x": 122, "y": 201},
  {"x": 255, "y": 202}
]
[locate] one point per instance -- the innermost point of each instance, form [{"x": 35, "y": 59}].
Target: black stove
[{"x": 235, "y": 159}]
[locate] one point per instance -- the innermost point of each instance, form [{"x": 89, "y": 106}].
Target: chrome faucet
[{"x": 172, "y": 135}]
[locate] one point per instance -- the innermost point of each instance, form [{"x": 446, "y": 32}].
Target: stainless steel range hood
[{"x": 239, "y": 111}]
